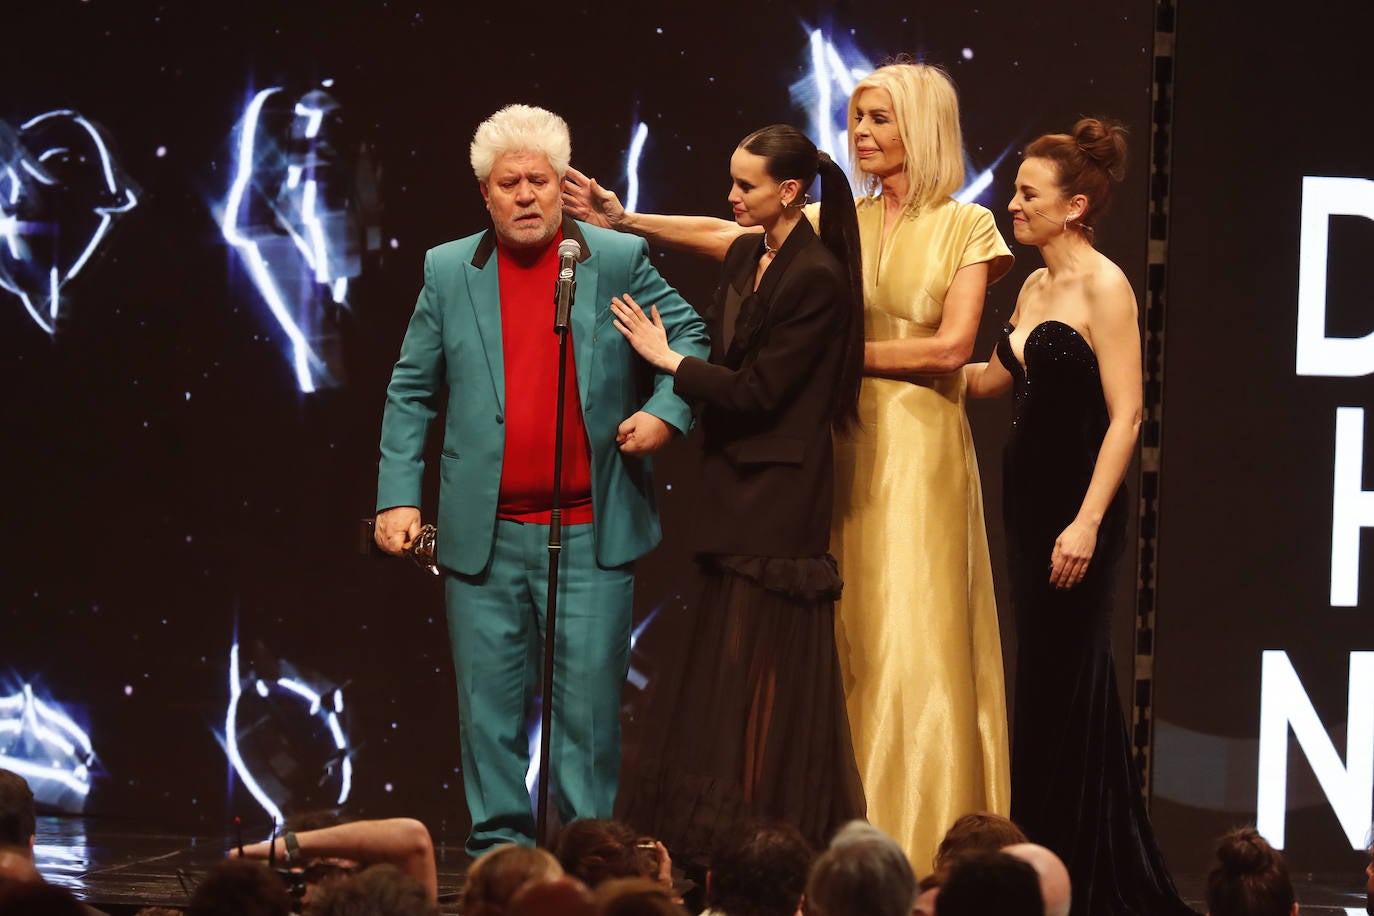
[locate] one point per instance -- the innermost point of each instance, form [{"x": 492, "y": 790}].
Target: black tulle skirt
[{"x": 747, "y": 718}]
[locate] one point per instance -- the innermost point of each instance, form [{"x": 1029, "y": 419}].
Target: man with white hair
[
  {"x": 1053, "y": 875},
  {"x": 483, "y": 328}
]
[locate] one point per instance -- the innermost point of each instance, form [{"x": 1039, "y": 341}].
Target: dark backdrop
[
  {"x": 1249, "y": 445},
  {"x": 170, "y": 490}
]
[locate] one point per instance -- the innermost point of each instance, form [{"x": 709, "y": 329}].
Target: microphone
[
  {"x": 1064, "y": 222},
  {"x": 569, "y": 250}
]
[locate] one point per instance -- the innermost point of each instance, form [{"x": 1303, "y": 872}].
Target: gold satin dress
[{"x": 916, "y": 625}]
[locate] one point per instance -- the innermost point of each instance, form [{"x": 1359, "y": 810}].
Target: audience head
[
  {"x": 378, "y": 890},
  {"x": 320, "y": 874},
  {"x": 565, "y": 896},
  {"x": 240, "y": 887},
  {"x": 925, "y": 901},
  {"x": 760, "y": 872},
  {"x": 593, "y": 850},
  {"x": 1050, "y": 871},
  {"x": 496, "y": 876},
  {"x": 862, "y": 873},
  {"x": 1082, "y": 167},
  {"x": 17, "y": 812},
  {"x": 988, "y": 882},
  {"x": 36, "y": 898},
  {"x": 16, "y": 864},
  {"x": 636, "y": 897},
  {"x": 981, "y": 830},
  {"x": 909, "y": 126},
  {"x": 1249, "y": 879}
]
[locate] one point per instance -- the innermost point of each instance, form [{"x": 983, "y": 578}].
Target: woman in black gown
[
  {"x": 1071, "y": 352},
  {"x": 748, "y": 716}
]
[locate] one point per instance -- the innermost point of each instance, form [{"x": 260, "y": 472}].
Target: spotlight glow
[
  {"x": 824, "y": 93},
  {"x": 632, "y": 165}
]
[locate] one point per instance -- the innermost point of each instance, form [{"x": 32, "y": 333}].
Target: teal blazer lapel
[
  {"x": 585, "y": 310},
  {"x": 484, "y": 295}
]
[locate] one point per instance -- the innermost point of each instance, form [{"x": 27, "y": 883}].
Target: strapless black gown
[{"x": 1074, "y": 787}]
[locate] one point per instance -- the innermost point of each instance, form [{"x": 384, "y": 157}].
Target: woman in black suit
[{"x": 751, "y": 721}]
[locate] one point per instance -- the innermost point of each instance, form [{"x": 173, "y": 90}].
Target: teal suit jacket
[{"x": 454, "y": 340}]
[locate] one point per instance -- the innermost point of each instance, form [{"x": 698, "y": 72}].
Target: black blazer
[{"x": 765, "y": 400}]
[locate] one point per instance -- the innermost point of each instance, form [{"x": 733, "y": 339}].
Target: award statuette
[{"x": 422, "y": 549}]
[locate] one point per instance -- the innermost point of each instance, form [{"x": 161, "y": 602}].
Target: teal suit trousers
[{"x": 497, "y": 622}]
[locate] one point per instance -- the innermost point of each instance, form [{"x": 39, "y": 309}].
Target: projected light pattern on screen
[
  {"x": 823, "y": 93},
  {"x": 636, "y": 150},
  {"x": 45, "y": 745},
  {"x": 284, "y": 738},
  {"x": 302, "y": 211},
  {"x": 61, "y": 191}
]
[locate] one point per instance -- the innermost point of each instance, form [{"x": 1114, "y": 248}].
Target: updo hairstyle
[{"x": 1088, "y": 162}]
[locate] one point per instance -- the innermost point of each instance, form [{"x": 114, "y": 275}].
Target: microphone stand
[{"x": 560, "y": 327}]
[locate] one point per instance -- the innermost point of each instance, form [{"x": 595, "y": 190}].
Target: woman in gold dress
[{"x": 916, "y": 625}]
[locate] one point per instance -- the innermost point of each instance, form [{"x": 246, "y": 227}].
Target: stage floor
[{"x": 119, "y": 867}]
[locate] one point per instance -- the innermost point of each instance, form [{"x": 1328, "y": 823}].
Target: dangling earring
[{"x": 1066, "y": 224}]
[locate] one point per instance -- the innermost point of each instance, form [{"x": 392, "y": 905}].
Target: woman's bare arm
[{"x": 585, "y": 199}]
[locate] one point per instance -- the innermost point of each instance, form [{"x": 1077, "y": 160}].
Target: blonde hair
[
  {"x": 925, "y": 106},
  {"x": 516, "y": 128}
]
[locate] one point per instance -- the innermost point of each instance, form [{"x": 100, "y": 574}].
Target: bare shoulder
[
  {"x": 1034, "y": 281},
  {"x": 1109, "y": 292}
]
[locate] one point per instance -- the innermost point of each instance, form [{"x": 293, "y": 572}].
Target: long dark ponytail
[{"x": 839, "y": 226}]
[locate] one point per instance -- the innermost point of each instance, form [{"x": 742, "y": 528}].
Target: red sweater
[{"x": 531, "y": 352}]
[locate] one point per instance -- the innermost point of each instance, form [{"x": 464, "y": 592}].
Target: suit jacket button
[{"x": 500, "y": 419}]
